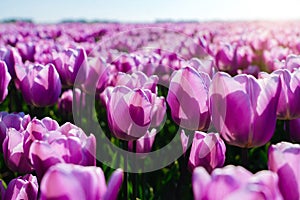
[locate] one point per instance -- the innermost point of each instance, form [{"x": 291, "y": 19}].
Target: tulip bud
[
  {"x": 188, "y": 98},
  {"x": 288, "y": 104},
  {"x": 143, "y": 144},
  {"x": 25, "y": 187},
  {"x": 65, "y": 102},
  {"x": 13, "y": 152},
  {"x": 235, "y": 182},
  {"x": 40, "y": 85},
  {"x": 77, "y": 182},
  {"x": 67, "y": 144},
  {"x": 244, "y": 108},
  {"x": 4, "y": 80},
  {"x": 12, "y": 59},
  {"x": 208, "y": 150},
  {"x": 69, "y": 64},
  {"x": 18, "y": 121},
  {"x": 129, "y": 113},
  {"x": 284, "y": 160}
]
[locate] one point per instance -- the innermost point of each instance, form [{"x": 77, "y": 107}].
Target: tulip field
[{"x": 207, "y": 110}]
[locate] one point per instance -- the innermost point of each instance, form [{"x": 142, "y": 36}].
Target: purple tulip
[
  {"x": 125, "y": 63},
  {"x": 12, "y": 59},
  {"x": 18, "y": 121},
  {"x": 105, "y": 95},
  {"x": 288, "y": 104},
  {"x": 137, "y": 80},
  {"x": 158, "y": 112},
  {"x": 292, "y": 62},
  {"x": 284, "y": 160},
  {"x": 68, "y": 181},
  {"x": 40, "y": 85},
  {"x": 225, "y": 59},
  {"x": 244, "y": 108},
  {"x": 184, "y": 139},
  {"x": 295, "y": 129},
  {"x": 130, "y": 112},
  {"x": 44, "y": 51},
  {"x": 13, "y": 152},
  {"x": 208, "y": 150},
  {"x": 25, "y": 187},
  {"x": 233, "y": 182},
  {"x": 143, "y": 144},
  {"x": 4, "y": 81},
  {"x": 27, "y": 51},
  {"x": 69, "y": 64},
  {"x": 276, "y": 53},
  {"x": 38, "y": 129},
  {"x": 244, "y": 56},
  {"x": 97, "y": 76},
  {"x": 67, "y": 144},
  {"x": 65, "y": 102},
  {"x": 188, "y": 98},
  {"x": 206, "y": 66}
]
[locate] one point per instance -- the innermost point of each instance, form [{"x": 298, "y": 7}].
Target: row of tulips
[
  {"x": 242, "y": 105},
  {"x": 236, "y": 182},
  {"x": 56, "y": 154}
]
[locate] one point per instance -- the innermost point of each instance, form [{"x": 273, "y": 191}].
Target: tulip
[
  {"x": 40, "y": 85},
  {"x": 67, "y": 144},
  {"x": 143, "y": 144},
  {"x": 184, "y": 139},
  {"x": 208, "y": 150},
  {"x": 97, "y": 76},
  {"x": 18, "y": 121},
  {"x": 206, "y": 66},
  {"x": 125, "y": 63},
  {"x": 65, "y": 102},
  {"x": 284, "y": 160},
  {"x": 105, "y": 95},
  {"x": 276, "y": 53},
  {"x": 233, "y": 182},
  {"x": 226, "y": 60},
  {"x": 288, "y": 104},
  {"x": 68, "y": 181},
  {"x": 4, "y": 81},
  {"x": 158, "y": 113},
  {"x": 188, "y": 98},
  {"x": 27, "y": 51},
  {"x": 43, "y": 51},
  {"x": 292, "y": 62},
  {"x": 38, "y": 129},
  {"x": 130, "y": 112},
  {"x": 244, "y": 108},
  {"x": 13, "y": 152},
  {"x": 244, "y": 56},
  {"x": 12, "y": 59},
  {"x": 148, "y": 63},
  {"x": 69, "y": 64},
  {"x": 137, "y": 80},
  {"x": 25, "y": 187}
]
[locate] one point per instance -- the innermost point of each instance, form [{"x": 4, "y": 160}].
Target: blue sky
[{"x": 150, "y": 10}]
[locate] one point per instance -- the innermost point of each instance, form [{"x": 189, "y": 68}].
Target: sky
[{"x": 50, "y": 11}]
